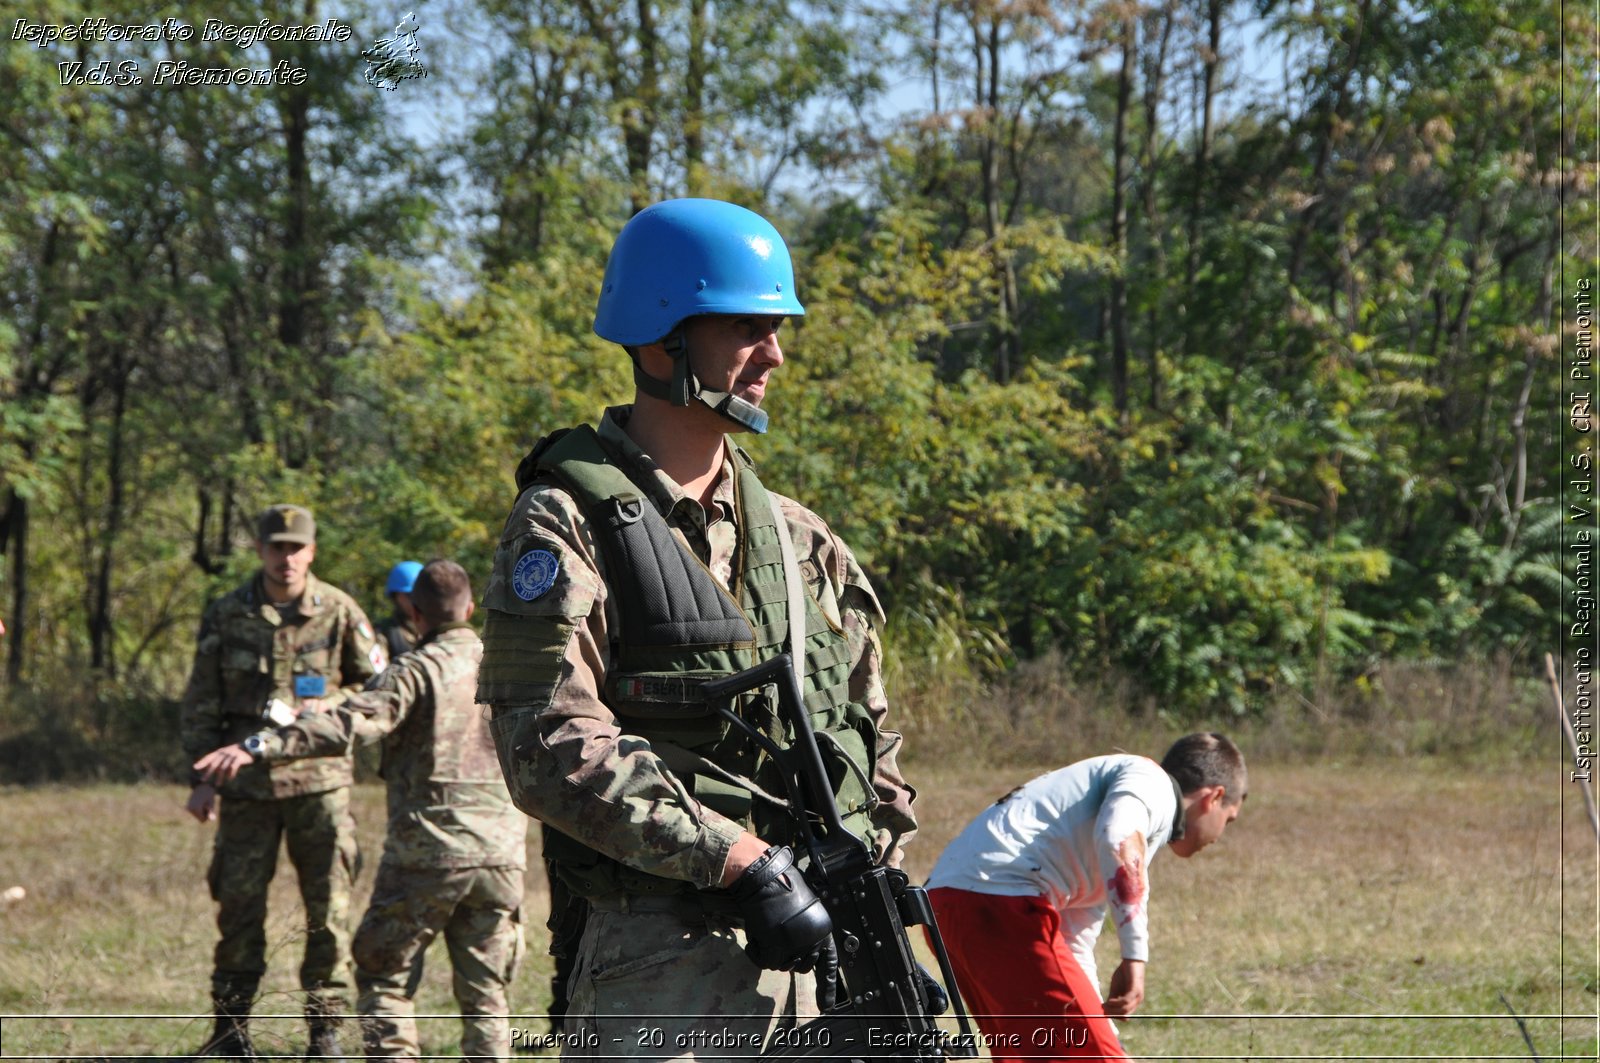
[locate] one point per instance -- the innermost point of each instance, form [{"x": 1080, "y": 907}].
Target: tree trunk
[
  {"x": 639, "y": 114},
  {"x": 295, "y": 291},
  {"x": 295, "y": 285},
  {"x": 1155, "y": 79},
  {"x": 1211, "y": 60},
  {"x": 694, "y": 103},
  {"x": 987, "y": 55},
  {"x": 1333, "y": 113},
  {"x": 1545, "y": 315},
  {"x": 211, "y": 560},
  {"x": 102, "y": 650},
  {"x": 1119, "y": 222},
  {"x": 35, "y": 380},
  {"x": 17, "y": 630}
]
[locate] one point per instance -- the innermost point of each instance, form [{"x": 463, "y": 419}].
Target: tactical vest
[{"x": 676, "y": 628}]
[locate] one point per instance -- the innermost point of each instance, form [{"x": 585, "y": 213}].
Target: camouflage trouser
[
  {"x": 654, "y": 984},
  {"x": 479, "y": 911},
  {"x": 322, "y": 846}
]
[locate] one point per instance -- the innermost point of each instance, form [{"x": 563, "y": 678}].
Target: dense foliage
[{"x": 1207, "y": 342}]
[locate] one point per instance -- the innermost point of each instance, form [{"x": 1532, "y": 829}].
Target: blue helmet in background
[
  {"x": 686, "y": 257},
  {"x": 403, "y": 577}
]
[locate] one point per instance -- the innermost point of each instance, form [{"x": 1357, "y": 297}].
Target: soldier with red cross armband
[{"x": 282, "y": 639}]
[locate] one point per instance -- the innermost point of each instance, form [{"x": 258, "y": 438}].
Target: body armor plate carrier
[{"x": 677, "y": 627}]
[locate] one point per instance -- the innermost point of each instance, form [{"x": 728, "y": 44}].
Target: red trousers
[{"x": 1031, "y": 999}]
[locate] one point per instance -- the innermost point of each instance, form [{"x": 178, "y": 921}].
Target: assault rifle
[{"x": 888, "y": 1002}]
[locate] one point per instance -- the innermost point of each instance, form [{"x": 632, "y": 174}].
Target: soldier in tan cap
[
  {"x": 281, "y": 640},
  {"x": 455, "y": 852}
]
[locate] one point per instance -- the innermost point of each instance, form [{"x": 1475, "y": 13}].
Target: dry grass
[
  {"x": 1410, "y": 864},
  {"x": 1409, "y": 849},
  {"x": 1347, "y": 903},
  {"x": 1483, "y": 713},
  {"x": 118, "y": 923},
  {"x": 1364, "y": 911}
]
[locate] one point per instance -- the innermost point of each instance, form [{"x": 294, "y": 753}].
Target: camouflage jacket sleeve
[
  {"x": 841, "y": 587},
  {"x": 566, "y": 759},
  {"x": 200, "y": 723},
  {"x": 360, "y": 656},
  {"x": 362, "y": 718}
]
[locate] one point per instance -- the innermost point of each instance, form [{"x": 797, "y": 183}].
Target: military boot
[
  {"x": 230, "y": 1038},
  {"x": 322, "y": 1020}
]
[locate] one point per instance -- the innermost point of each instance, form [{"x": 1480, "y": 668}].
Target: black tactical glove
[
  {"x": 785, "y": 924},
  {"x": 827, "y": 975}
]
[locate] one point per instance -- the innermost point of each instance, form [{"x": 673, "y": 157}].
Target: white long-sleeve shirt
[{"x": 1068, "y": 836}]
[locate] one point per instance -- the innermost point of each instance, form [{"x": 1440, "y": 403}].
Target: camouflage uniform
[
  {"x": 398, "y": 636},
  {"x": 455, "y": 851},
  {"x": 570, "y": 762},
  {"x": 249, "y": 653}
]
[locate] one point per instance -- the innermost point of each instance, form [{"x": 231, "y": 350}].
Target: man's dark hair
[
  {"x": 442, "y": 592},
  {"x": 1208, "y": 759}
]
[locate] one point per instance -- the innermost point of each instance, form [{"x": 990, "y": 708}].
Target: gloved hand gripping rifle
[{"x": 878, "y": 1002}]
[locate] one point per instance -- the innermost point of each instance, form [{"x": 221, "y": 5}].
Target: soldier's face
[
  {"x": 1206, "y": 821},
  {"x": 284, "y": 566},
  {"x": 735, "y": 354}
]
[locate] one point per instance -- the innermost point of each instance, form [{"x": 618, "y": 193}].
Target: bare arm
[
  {"x": 1127, "y": 989},
  {"x": 202, "y": 803}
]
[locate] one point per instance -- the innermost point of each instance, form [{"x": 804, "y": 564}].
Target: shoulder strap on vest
[
  {"x": 528, "y": 467},
  {"x": 670, "y": 598}
]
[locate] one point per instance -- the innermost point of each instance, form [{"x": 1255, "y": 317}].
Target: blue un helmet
[
  {"x": 402, "y": 577},
  {"x": 686, "y": 257}
]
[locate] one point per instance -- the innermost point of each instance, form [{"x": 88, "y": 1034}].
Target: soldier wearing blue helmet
[
  {"x": 643, "y": 557},
  {"x": 399, "y": 632},
  {"x": 687, "y": 258}
]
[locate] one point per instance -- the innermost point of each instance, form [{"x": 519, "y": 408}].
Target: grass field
[
  {"x": 1411, "y": 877},
  {"x": 1381, "y": 908}
]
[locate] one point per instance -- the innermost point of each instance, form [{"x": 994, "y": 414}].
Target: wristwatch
[{"x": 254, "y": 746}]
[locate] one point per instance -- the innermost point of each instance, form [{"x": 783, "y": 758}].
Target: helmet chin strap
[{"x": 685, "y": 386}]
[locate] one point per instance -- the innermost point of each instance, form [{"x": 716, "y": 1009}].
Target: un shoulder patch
[{"x": 535, "y": 573}]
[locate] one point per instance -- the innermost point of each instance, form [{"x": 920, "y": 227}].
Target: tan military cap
[{"x": 286, "y": 524}]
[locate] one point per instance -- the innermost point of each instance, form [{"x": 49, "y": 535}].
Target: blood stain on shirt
[{"x": 1127, "y": 885}]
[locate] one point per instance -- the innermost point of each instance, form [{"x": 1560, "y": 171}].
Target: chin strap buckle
[
  {"x": 684, "y": 385},
  {"x": 735, "y": 409}
]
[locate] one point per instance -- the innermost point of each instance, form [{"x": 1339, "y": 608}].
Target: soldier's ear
[{"x": 472, "y": 607}]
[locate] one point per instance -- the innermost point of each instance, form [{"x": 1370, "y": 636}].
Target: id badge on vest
[{"x": 310, "y": 686}]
